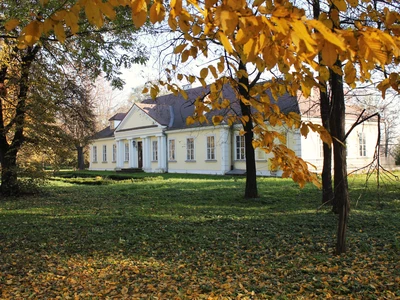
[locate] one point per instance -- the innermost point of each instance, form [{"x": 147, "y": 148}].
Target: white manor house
[{"x": 153, "y": 136}]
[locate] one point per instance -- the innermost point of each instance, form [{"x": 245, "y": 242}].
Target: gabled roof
[
  {"x": 118, "y": 117},
  {"x": 172, "y": 110},
  {"x": 158, "y": 112},
  {"x": 160, "y": 108},
  {"x": 105, "y": 133}
]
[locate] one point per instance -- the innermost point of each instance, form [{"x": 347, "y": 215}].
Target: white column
[
  {"x": 161, "y": 149},
  {"x": 224, "y": 141},
  {"x": 120, "y": 154},
  {"x": 134, "y": 157},
  {"x": 164, "y": 152},
  {"x": 146, "y": 154},
  {"x": 132, "y": 154}
]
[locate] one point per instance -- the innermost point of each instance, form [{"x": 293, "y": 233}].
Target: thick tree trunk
[
  {"x": 341, "y": 203},
  {"x": 9, "y": 180},
  {"x": 9, "y": 151},
  {"x": 327, "y": 191},
  {"x": 251, "y": 190},
  {"x": 81, "y": 158},
  {"x": 251, "y": 171}
]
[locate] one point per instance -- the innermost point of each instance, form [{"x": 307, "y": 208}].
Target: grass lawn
[{"x": 195, "y": 237}]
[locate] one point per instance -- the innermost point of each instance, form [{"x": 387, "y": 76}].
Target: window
[
  {"x": 114, "y": 153},
  {"x": 190, "y": 149},
  {"x": 260, "y": 154},
  {"x": 321, "y": 148},
  {"x": 94, "y": 153},
  {"x": 240, "y": 147},
  {"x": 362, "y": 147},
  {"x": 126, "y": 152},
  {"x": 210, "y": 148},
  {"x": 104, "y": 153},
  {"x": 155, "y": 151},
  {"x": 171, "y": 150}
]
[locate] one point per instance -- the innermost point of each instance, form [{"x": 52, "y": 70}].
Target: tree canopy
[{"x": 37, "y": 68}]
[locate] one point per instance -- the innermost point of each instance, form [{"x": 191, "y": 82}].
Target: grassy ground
[{"x": 175, "y": 237}]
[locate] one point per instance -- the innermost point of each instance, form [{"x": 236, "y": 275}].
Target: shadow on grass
[{"x": 182, "y": 238}]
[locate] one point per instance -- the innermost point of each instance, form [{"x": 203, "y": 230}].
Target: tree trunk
[
  {"x": 81, "y": 158},
  {"x": 325, "y": 108},
  {"x": 9, "y": 180},
  {"x": 251, "y": 190},
  {"x": 341, "y": 203},
  {"x": 9, "y": 151},
  {"x": 251, "y": 171}
]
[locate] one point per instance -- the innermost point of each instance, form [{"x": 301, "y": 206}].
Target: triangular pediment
[{"x": 136, "y": 118}]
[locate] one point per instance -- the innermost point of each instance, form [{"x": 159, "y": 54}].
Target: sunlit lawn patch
[{"x": 196, "y": 237}]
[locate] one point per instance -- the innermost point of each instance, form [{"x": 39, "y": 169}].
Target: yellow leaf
[
  {"x": 353, "y": 3},
  {"x": 59, "y": 32},
  {"x": 139, "y": 18},
  {"x": 323, "y": 73},
  {"x": 107, "y": 9},
  {"x": 241, "y": 37},
  {"x": 31, "y": 33},
  {"x": 203, "y": 73},
  {"x": 326, "y": 137},
  {"x": 302, "y": 32},
  {"x": 145, "y": 90},
  {"x": 225, "y": 42},
  {"x": 196, "y": 29},
  {"x": 48, "y": 25},
  {"x": 44, "y": 2},
  {"x": 221, "y": 65},
  {"x": 137, "y": 6},
  {"x": 340, "y": 4},
  {"x": 93, "y": 14},
  {"x": 176, "y": 5},
  {"x": 217, "y": 120},
  {"x": 225, "y": 103},
  {"x": 350, "y": 73},
  {"x": 327, "y": 33},
  {"x": 59, "y": 15},
  {"x": 179, "y": 49},
  {"x": 71, "y": 20},
  {"x": 229, "y": 20},
  {"x": 11, "y": 24},
  {"x": 329, "y": 55},
  {"x": 157, "y": 12},
  {"x": 189, "y": 120},
  {"x": 172, "y": 23},
  {"x": 304, "y": 130},
  {"x": 250, "y": 50},
  {"x": 153, "y": 92},
  {"x": 184, "y": 94},
  {"x": 213, "y": 71}
]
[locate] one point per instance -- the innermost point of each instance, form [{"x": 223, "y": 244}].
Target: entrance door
[{"x": 140, "y": 155}]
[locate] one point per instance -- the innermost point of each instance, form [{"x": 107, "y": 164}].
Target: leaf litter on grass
[{"x": 144, "y": 240}]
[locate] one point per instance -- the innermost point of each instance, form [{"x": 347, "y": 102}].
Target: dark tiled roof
[
  {"x": 118, "y": 117},
  {"x": 158, "y": 112},
  {"x": 160, "y": 108},
  {"x": 105, "y": 133}
]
